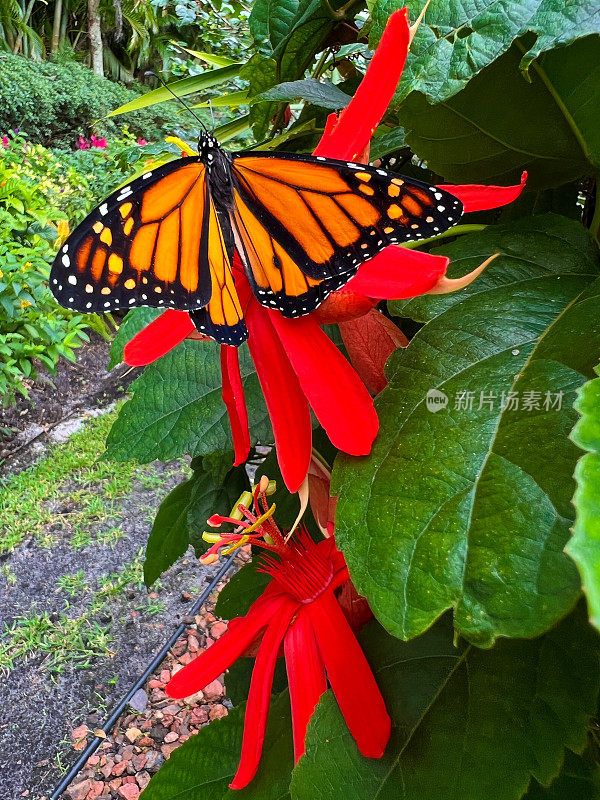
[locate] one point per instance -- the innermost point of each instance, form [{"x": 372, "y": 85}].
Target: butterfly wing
[
  {"x": 304, "y": 224},
  {"x": 156, "y": 242}
]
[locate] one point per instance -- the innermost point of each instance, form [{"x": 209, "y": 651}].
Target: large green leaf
[
  {"x": 241, "y": 591},
  {"x": 177, "y": 408},
  {"x": 470, "y": 507},
  {"x": 272, "y": 20},
  {"x": 217, "y": 487},
  {"x": 181, "y": 88},
  {"x": 261, "y": 74},
  {"x": 456, "y": 41},
  {"x": 584, "y": 547},
  {"x": 579, "y": 779},
  {"x": 501, "y": 124},
  {"x": 469, "y": 724},
  {"x": 169, "y": 537},
  {"x": 202, "y": 768},
  {"x": 325, "y": 95}
]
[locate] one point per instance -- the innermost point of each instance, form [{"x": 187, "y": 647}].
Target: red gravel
[{"x": 141, "y": 741}]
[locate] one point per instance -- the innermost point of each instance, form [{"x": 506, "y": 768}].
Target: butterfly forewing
[
  {"x": 143, "y": 246},
  {"x": 305, "y": 224}
]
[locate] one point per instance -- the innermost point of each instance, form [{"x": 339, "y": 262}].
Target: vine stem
[{"x": 457, "y": 230}]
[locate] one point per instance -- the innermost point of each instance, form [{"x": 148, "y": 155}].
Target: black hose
[{"x": 97, "y": 740}]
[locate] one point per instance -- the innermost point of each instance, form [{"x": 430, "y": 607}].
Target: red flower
[
  {"x": 99, "y": 143},
  {"x": 297, "y": 364},
  {"x": 299, "y": 608}
]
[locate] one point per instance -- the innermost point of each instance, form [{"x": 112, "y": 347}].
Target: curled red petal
[
  {"x": 350, "y": 677},
  {"x": 337, "y": 395},
  {"x": 306, "y": 677},
  {"x": 397, "y": 273},
  {"x": 481, "y": 198},
  {"x": 364, "y": 112},
  {"x": 233, "y": 397},
  {"x": 259, "y": 696},
  {"x": 220, "y": 655},
  {"x": 157, "y": 338},
  {"x": 369, "y": 341},
  {"x": 342, "y": 305},
  {"x": 286, "y": 403}
]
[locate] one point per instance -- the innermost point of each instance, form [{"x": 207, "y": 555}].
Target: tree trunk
[
  {"x": 95, "y": 32},
  {"x": 19, "y": 41},
  {"x": 56, "y": 26}
]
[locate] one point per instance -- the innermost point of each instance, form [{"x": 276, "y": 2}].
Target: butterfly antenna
[{"x": 179, "y": 99}]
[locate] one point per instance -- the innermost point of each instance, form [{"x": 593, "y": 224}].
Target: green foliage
[
  {"x": 177, "y": 407},
  {"x": 33, "y": 327},
  {"x": 181, "y": 519},
  {"x": 584, "y": 545},
  {"x": 447, "y": 499},
  {"x": 56, "y": 103},
  {"x": 491, "y": 128},
  {"x": 454, "y": 44},
  {"x": 467, "y": 723}
]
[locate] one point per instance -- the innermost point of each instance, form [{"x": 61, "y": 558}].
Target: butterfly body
[{"x": 302, "y": 225}]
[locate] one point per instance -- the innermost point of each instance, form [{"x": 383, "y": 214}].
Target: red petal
[
  {"x": 350, "y": 676},
  {"x": 220, "y": 655},
  {"x": 233, "y": 397},
  {"x": 259, "y": 696},
  {"x": 337, "y": 395},
  {"x": 366, "y": 109},
  {"x": 370, "y": 340},
  {"x": 481, "y": 198},
  {"x": 287, "y": 405},
  {"x": 398, "y": 273},
  {"x": 306, "y": 677},
  {"x": 342, "y": 305},
  {"x": 157, "y": 338}
]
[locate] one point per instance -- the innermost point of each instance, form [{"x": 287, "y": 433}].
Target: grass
[
  {"x": 68, "y": 490},
  {"x": 75, "y": 640},
  {"x": 70, "y": 496}
]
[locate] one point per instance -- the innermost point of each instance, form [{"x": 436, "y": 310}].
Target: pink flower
[
  {"x": 5, "y": 141},
  {"x": 82, "y": 143},
  {"x": 99, "y": 143},
  {"x": 142, "y": 142}
]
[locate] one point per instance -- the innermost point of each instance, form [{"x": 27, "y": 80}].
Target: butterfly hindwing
[{"x": 305, "y": 224}]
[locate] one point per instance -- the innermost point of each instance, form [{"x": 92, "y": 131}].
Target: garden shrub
[
  {"x": 55, "y": 103},
  {"x": 32, "y": 325}
]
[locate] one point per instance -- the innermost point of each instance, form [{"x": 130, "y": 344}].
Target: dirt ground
[{"x": 53, "y": 690}]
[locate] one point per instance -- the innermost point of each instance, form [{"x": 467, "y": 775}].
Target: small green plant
[{"x": 73, "y": 584}]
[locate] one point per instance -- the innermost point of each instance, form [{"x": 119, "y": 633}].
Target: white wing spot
[{"x": 72, "y": 280}]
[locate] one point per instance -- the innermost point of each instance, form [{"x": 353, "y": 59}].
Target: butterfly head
[{"x": 208, "y": 147}]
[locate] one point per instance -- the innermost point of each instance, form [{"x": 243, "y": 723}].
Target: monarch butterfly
[{"x": 301, "y": 224}]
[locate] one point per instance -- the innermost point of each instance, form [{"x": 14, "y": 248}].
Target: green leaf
[
  {"x": 455, "y": 42},
  {"x": 242, "y": 589},
  {"x": 217, "y": 487},
  {"x": 272, "y": 20},
  {"x": 232, "y": 129},
  {"x": 169, "y": 538},
  {"x": 467, "y": 723},
  {"x": 388, "y": 142},
  {"x": 470, "y": 507},
  {"x": 203, "y": 767},
  {"x": 181, "y": 88},
  {"x": 134, "y": 322},
  {"x": 501, "y": 124},
  {"x": 584, "y": 547},
  {"x": 210, "y": 58},
  {"x": 239, "y": 675},
  {"x": 579, "y": 778},
  {"x": 325, "y": 95},
  {"x": 261, "y": 74},
  {"x": 177, "y": 407}
]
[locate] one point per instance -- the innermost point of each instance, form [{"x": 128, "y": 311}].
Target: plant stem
[
  {"x": 457, "y": 230},
  {"x": 595, "y": 223}
]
